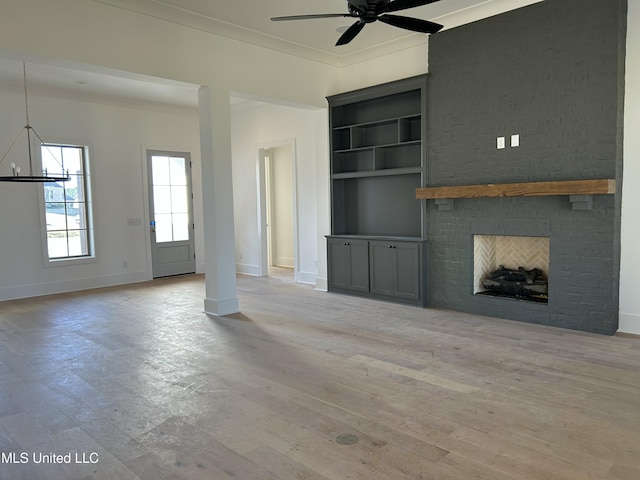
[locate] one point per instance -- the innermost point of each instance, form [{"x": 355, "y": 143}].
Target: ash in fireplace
[{"x": 520, "y": 283}]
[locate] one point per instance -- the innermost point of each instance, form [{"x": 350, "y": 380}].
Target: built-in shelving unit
[{"x": 377, "y": 163}]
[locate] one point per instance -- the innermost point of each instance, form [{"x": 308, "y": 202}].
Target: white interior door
[{"x": 171, "y": 213}]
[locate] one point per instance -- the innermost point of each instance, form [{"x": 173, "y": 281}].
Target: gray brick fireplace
[{"x": 551, "y": 73}]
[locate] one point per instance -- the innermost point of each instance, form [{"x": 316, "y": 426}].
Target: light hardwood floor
[{"x": 156, "y": 390}]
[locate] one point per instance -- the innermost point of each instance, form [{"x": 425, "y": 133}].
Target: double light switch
[{"x": 501, "y": 142}]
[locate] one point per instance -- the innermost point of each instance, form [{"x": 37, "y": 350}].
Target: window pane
[
  {"x": 73, "y": 189},
  {"x": 160, "y": 170},
  {"x": 57, "y": 244},
  {"x": 180, "y": 227},
  {"x": 55, "y": 216},
  {"x": 179, "y": 200},
  {"x": 51, "y": 159},
  {"x": 77, "y": 243},
  {"x": 53, "y": 192},
  {"x": 162, "y": 199},
  {"x": 72, "y": 160},
  {"x": 178, "y": 176},
  {"x": 76, "y": 216},
  {"x": 163, "y": 228}
]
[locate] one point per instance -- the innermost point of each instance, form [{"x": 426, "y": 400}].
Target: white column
[{"x": 221, "y": 296}]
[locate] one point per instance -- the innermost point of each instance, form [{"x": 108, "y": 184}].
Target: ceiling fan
[{"x": 368, "y": 11}]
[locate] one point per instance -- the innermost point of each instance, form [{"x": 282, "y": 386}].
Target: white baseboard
[
  {"x": 322, "y": 284},
  {"x": 628, "y": 323},
  {"x": 220, "y": 308},
  {"x": 64, "y": 286},
  {"x": 306, "y": 277},
  {"x": 283, "y": 262},
  {"x": 244, "y": 269}
]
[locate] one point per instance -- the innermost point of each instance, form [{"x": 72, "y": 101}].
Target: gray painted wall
[{"x": 552, "y": 73}]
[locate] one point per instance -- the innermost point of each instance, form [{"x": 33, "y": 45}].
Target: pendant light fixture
[{"x": 17, "y": 175}]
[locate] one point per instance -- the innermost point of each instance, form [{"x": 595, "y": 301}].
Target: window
[{"x": 67, "y": 204}]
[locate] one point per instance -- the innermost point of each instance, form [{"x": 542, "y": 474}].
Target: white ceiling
[
  {"x": 85, "y": 81},
  {"x": 248, "y": 21}
]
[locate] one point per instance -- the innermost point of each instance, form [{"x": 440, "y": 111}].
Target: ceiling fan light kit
[{"x": 369, "y": 11}]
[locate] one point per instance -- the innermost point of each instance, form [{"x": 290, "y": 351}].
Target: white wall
[
  {"x": 629, "y": 318},
  {"x": 93, "y": 33},
  {"x": 398, "y": 65},
  {"x": 117, "y": 136},
  {"x": 265, "y": 125}
]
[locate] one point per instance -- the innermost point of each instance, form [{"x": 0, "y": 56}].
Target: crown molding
[{"x": 168, "y": 13}]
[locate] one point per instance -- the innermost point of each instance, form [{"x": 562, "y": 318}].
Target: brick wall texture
[{"x": 552, "y": 73}]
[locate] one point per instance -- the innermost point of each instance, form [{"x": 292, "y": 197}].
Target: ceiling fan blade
[
  {"x": 409, "y": 23},
  {"x": 350, "y": 33},
  {"x": 396, "y": 5},
  {"x": 309, "y": 17}
]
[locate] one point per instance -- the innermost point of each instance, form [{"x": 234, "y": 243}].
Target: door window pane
[
  {"x": 164, "y": 229},
  {"x": 180, "y": 226},
  {"x": 179, "y": 200},
  {"x": 177, "y": 171},
  {"x": 161, "y": 199},
  {"x": 160, "y": 170}
]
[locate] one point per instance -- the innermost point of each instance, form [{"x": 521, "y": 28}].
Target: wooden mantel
[{"x": 605, "y": 186}]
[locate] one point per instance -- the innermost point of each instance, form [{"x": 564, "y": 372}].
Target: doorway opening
[{"x": 277, "y": 211}]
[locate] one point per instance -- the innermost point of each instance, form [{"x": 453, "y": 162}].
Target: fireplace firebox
[{"x": 513, "y": 267}]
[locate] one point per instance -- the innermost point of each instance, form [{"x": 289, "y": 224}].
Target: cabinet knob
[
  {"x": 392, "y": 246},
  {"x": 346, "y": 243}
]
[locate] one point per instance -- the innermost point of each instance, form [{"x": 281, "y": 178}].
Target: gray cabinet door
[
  {"x": 338, "y": 253},
  {"x": 407, "y": 279},
  {"x": 359, "y": 265},
  {"x": 382, "y": 268},
  {"x": 349, "y": 264},
  {"x": 395, "y": 269}
]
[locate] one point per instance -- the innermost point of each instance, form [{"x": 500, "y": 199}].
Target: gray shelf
[
  {"x": 378, "y": 173},
  {"x": 382, "y": 205},
  {"x": 377, "y": 162},
  {"x": 378, "y": 159},
  {"x": 401, "y": 104}
]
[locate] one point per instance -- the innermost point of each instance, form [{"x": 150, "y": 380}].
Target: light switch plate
[
  {"x": 515, "y": 140},
  {"x": 500, "y": 143}
]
